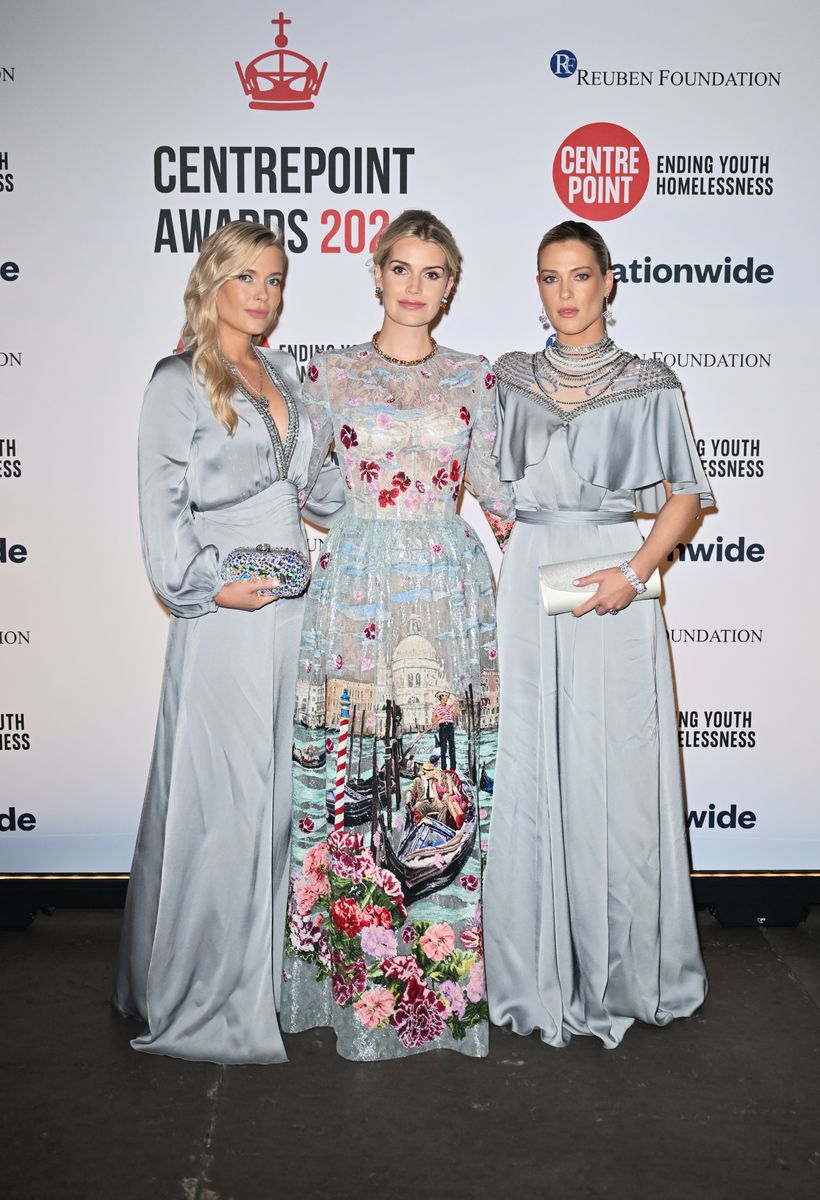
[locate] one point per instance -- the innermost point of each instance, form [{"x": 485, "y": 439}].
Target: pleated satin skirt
[
  {"x": 201, "y": 953},
  {"x": 588, "y": 913}
]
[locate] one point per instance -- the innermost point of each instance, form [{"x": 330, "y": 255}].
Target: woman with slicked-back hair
[
  {"x": 588, "y": 908},
  {"x": 226, "y": 458}
]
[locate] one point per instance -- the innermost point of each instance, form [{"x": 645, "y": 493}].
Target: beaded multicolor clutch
[{"x": 287, "y": 569}]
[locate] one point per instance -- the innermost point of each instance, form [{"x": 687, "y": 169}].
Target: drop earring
[
  {"x": 378, "y": 293},
  {"x": 444, "y": 301},
  {"x": 607, "y": 313},
  {"x": 544, "y": 319}
]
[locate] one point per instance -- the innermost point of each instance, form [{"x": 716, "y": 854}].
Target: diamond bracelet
[{"x": 629, "y": 574}]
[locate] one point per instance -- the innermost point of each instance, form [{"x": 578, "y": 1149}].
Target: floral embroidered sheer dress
[{"x": 384, "y": 939}]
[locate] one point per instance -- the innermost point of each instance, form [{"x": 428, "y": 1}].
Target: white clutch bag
[{"x": 558, "y": 594}]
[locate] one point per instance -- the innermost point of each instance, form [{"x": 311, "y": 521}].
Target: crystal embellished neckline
[
  {"x": 282, "y": 449},
  {"x": 404, "y": 362}
]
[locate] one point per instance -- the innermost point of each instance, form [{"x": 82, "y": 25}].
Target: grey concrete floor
[{"x": 719, "y": 1106}]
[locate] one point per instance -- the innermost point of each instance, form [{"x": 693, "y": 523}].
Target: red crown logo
[{"x": 281, "y": 78}]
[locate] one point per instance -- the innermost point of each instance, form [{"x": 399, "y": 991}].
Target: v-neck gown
[{"x": 201, "y": 952}]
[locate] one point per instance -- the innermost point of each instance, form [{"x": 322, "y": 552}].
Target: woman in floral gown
[{"x": 384, "y": 939}]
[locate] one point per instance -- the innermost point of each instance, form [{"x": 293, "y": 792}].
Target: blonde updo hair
[
  {"x": 418, "y": 223},
  {"x": 224, "y": 254}
]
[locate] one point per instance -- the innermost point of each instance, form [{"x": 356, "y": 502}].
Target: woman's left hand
[{"x": 613, "y": 594}]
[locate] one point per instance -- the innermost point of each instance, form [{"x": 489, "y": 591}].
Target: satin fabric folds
[
  {"x": 201, "y": 952},
  {"x": 588, "y": 910}
]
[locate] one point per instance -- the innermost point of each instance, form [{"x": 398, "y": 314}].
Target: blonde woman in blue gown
[
  {"x": 384, "y": 939},
  {"x": 588, "y": 911},
  {"x": 226, "y": 458}
]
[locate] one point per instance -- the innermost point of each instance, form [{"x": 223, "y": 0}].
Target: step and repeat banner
[{"x": 128, "y": 132}]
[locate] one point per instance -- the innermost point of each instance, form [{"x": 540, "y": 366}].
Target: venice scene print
[{"x": 395, "y": 736}]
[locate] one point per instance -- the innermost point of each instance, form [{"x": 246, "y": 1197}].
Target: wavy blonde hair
[{"x": 224, "y": 254}]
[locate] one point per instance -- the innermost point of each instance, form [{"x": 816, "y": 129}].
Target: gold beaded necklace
[{"x": 404, "y": 362}]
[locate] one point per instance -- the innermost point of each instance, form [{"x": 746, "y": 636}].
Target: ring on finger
[{"x": 613, "y": 612}]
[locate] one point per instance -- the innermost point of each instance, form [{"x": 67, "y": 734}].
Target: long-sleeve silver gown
[
  {"x": 201, "y": 953},
  {"x": 588, "y": 913}
]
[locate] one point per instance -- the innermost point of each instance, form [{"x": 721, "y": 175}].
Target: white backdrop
[{"x": 473, "y": 101}]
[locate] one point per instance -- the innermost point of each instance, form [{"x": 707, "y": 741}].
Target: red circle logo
[{"x": 600, "y": 171}]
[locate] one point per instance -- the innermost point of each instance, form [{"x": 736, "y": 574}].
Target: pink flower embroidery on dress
[
  {"x": 464, "y": 413},
  {"x": 440, "y": 479},
  {"x": 324, "y": 560},
  {"x": 438, "y": 941},
  {"x": 476, "y": 989},
  {"x": 471, "y": 939},
  {"x": 489, "y": 381},
  {"x": 312, "y": 373},
  {"x": 384, "y": 420},
  {"x": 375, "y": 1007},
  {"x": 401, "y": 481},
  {"x": 316, "y": 861},
  {"x": 369, "y": 631},
  {"x": 387, "y": 497}
]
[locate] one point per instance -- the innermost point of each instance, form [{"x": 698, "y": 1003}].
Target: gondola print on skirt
[{"x": 398, "y": 689}]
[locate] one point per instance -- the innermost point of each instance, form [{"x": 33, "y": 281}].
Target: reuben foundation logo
[
  {"x": 600, "y": 171},
  {"x": 563, "y": 64},
  {"x": 281, "y": 78}
]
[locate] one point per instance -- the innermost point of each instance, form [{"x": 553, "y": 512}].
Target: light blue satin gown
[
  {"x": 201, "y": 953},
  {"x": 588, "y": 913}
]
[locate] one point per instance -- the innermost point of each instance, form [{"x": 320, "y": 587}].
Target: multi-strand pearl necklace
[{"x": 593, "y": 368}]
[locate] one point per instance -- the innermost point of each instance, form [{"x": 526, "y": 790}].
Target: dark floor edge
[{"x": 736, "y": 898}]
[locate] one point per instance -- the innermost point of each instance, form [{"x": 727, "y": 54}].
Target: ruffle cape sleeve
[{"x": 633, "y": 442}]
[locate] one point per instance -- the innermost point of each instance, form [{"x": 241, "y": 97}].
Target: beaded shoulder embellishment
[{"x": 516, "y": 370}]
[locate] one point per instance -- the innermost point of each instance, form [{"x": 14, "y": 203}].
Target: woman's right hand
[{"x": 244, "y": 595}]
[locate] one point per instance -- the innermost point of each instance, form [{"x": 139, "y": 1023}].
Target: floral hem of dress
[{"x": 421, "y": 979}]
